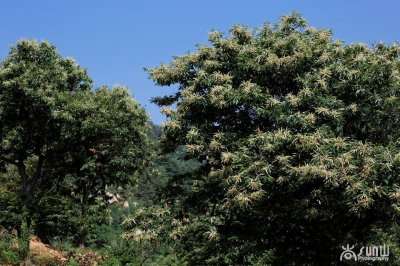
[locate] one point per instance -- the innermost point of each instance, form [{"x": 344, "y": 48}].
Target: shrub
[{"x": 9, "y": 249}]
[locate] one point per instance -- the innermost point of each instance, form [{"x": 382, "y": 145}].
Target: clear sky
[{"x": 114, "y": 40}]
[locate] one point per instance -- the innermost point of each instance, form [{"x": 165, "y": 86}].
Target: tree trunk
[
  {"x": 26, "y": 237},
  {"x": 26, "y": 222},
  {"x": 27, "y": 187},
  {"x": 83, "y": 228}
]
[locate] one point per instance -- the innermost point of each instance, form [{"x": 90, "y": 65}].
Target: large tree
[
  {"x": 58, "y": 132},
  {"x": 297, "y": 135},
  {"x": 32, "y": 79},
  {"x": 104, "y": 143}
]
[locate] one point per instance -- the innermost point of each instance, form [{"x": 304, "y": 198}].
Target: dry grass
[{"x": 43, "y": 254}]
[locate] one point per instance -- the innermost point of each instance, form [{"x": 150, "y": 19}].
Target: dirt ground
[{"x": 41, "y": 252}]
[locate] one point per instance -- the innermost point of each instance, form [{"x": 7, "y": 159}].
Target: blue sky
[{"x": 114, "y": 40}]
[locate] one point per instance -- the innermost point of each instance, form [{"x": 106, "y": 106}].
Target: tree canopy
[
  {"x": 297, "y": 136},
  {"x": 58, "y": 132}
]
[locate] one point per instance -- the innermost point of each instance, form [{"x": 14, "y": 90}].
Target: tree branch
[
  {"x": 38, "y": 170},
  {"x": 26, "y": 186}
]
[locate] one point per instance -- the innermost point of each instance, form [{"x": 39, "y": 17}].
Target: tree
[
  {"x": 105, "y": 144},
  {"x": 32, "y": 79},
  {"x": 161, "y": 179},
  {"x": 297, "y": 135},
  {"x": 67, "y": 141}
]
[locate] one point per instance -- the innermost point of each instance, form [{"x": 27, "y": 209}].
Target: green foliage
[
  {"x": 168, "y": 259},
  {"x": 10, "y": 200},
  {"x": 56, "y": 216},
  {"x": 108, "y": 132},
  {"x": 165, "y": 175},
  {"x": 121, "y": 253},
  {"x": 34, "y": 78},
  {"x": 9, "y": 249},
  {"x": 111, "y": 261},
  {"x": 62, "y": 143},
  {"x": 45, "y": 260},
  {"x": 297, "y": 136},
  {"x": 73, "y": 262},
  {"x": 62, "y": 244},
  {"x": 108, "y": 233},
  {"x": 132, "y": 253},
  {"x": 164, "y": 178}
]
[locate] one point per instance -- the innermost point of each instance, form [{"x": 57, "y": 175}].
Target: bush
[
  {"x": 44, "y": 260},
  {"x": 121, "y": 253},
  {"x": 62, "y": 244},
  {"x": 72, "y": 262},
  {"x": 168, "y": 260},
  {"x": 9, "y": 249}
]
